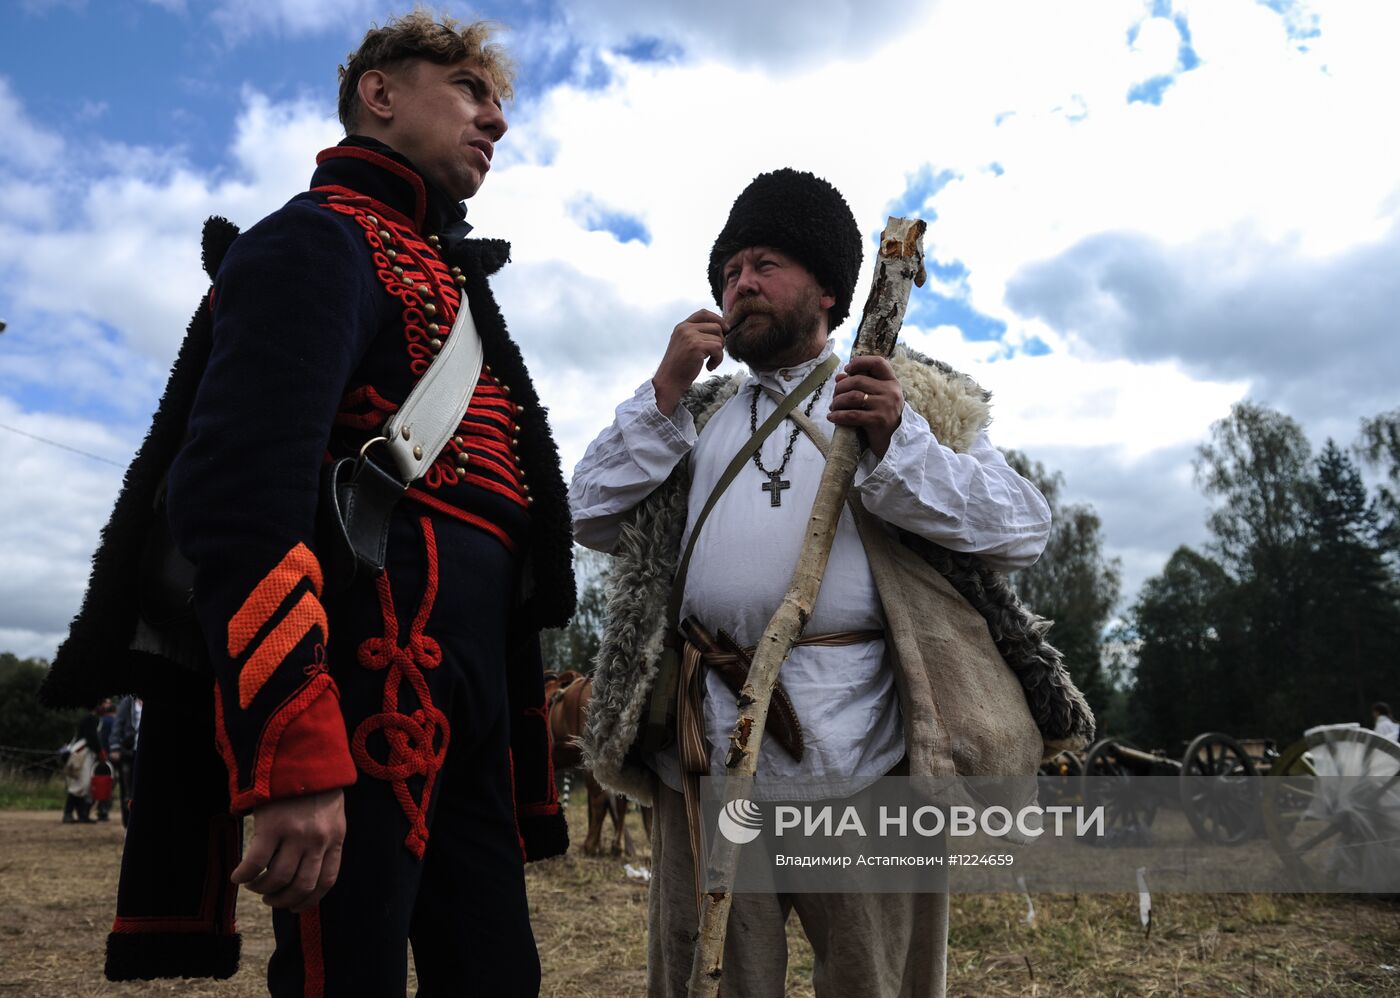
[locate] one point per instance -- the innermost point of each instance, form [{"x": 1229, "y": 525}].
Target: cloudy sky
[{"x": 1140, "y": 213}]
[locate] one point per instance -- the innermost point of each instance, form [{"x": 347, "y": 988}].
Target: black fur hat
[{"x": 805, "y": 217}]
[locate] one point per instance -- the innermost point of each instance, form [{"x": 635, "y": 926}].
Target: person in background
[
  {"x": 79, "y": 759},
  {"x": 121, "y": 748},
  {"x": 1383, "y": 723},
  {"x": 106, "y": 718}
]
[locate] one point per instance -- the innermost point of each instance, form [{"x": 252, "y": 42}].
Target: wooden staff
[{"x": 899, "y": 266}]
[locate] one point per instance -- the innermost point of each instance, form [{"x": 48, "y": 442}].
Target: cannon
[
  {"x": 1332, "y": 809},
  {"x": 1212, "y": 786}
]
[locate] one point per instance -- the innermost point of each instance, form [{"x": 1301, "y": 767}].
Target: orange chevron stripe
[
  {"x": 262, "y": 603},
  {"x": 273, "y": 650}
]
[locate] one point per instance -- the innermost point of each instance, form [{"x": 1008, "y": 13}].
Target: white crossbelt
[{"x": 428, "y": 418}]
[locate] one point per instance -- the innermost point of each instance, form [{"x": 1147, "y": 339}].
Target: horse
[{"x": 567, "y": 695}]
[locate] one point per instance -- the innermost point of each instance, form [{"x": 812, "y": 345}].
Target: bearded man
[
  {"x": 386, "y": 732},
  {"x": 783, "y": 269}
]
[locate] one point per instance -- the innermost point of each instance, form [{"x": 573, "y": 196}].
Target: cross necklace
[{"x": 776, "y": 483}]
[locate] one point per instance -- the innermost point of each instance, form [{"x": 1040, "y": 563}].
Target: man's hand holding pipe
[{"x": 696, "y": 341}]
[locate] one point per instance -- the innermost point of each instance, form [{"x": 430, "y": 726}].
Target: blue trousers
[{"x": 433, "y": 857}]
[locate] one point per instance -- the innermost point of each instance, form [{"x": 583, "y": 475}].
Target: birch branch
[{"x": 899, "y": 266}]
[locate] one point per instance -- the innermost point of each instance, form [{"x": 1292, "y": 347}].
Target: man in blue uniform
[{"x": 389, "y": 739}]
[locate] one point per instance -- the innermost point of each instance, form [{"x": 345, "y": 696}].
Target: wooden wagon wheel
[
  {"x": 1060, "y": 778},
  {"x": 1219, "y": 792},
  {"x": 1109, "y": 782},
  {"x": 1324, "y": 829}
]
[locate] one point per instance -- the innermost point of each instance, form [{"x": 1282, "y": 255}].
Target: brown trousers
[{"x": 865, "y": 945}]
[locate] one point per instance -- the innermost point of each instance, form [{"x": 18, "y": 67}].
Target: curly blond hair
[{"x": 421, "y": 35}]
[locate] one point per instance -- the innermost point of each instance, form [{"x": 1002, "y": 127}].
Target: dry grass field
[{"x": 57, "y": 884}]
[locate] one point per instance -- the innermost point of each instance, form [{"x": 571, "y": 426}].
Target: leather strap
[
  {"x": 416, "y": 434},
  {"x": 658, "y": 724},
  {"x": 787, "y": 405},
  {"x": 836, "y": 639},
  {"x": 690, "y": 679}
]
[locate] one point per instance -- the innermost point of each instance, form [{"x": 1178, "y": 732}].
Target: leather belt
[{"x": 731, "y": 663}]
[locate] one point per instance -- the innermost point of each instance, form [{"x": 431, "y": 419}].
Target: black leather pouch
[{"x": 357, "y": 501}]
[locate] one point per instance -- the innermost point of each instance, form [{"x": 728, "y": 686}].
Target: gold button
[
  {"x": 519, "y": 408},
  {"x": 461, "y": 281},
  {"x": 505, "y": 389},
  {"x": 463, "y": 458},
  {"x": 514, "y": 442},
  {"x": 525, "y": 487},
  {"x": 430, "y": 308},
  {"x": 433, "y": 328},
  {"x": 391, "y": 253},
  {"x": 384, "y": 235},
  {"x": 435, "y": 344},
  {"x": 423, "y": 289},
  {"x": 486, "y": 368},
  {"x": 371, "y": 220},
  {"x": 433, "y": 240},
  {"x": 457, "y": 441},
  {"x": 529, "y": 500},
  {"x": 398, "y": 271},
  {"x": 418, "y": 453},
  {"x": 407, "y": 432},
  {"x": 522, "y": 474},
  {"x": 456, "y": 270}
]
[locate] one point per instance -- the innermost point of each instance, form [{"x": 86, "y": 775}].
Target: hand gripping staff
[{"x": 898, "y": 266}]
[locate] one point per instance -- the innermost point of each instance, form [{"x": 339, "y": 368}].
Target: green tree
[
  {"x": 24, "y": 722},
  {"x": 1379, "y": 445},
  {"x": 575, "y": 646},
  {"x": 1352, "y": 615},
  {"x": 1073, "y": 583},
  {"x": 1183, "y": 682},
  {"x": 1257, "y": 464}
]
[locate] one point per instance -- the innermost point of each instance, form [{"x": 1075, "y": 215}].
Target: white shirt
[
  {"x": 742, "y": 565},
  {"x": 1388, "y": 728}
]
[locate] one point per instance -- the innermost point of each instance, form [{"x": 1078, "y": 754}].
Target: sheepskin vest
[{"x": 644, "y": 566}]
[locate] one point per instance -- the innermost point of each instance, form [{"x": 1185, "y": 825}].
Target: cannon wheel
[
  {"x": 1304, "y": 824},
  {"x": 1108, "y": 782},
  {"x": 1060, "y": 778},
  {"x": 1218, "y": 793}
]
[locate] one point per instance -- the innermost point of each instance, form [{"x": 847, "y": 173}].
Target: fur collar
[{"x": 644, "y": 564}]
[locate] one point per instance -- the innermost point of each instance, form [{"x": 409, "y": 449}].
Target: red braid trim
[
  {"x": 420, "y": 193},
  {"x": 312, "y": 960},
  {"x": 461, "y": 514},
  {"x": 417, "y": 742}
]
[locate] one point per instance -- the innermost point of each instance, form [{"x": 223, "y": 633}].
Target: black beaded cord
[{"x": 792, "y": 440}]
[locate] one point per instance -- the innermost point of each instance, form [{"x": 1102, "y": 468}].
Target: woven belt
[{"x": 731, "y": 662}]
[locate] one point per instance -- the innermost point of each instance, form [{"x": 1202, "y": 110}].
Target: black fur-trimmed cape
[{"x": 175, "y": 905}]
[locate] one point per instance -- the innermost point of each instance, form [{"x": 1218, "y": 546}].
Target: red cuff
[{"x": 303, "y": 750}]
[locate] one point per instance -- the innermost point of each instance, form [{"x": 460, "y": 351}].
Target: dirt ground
[{"x": 58, "y": 882}]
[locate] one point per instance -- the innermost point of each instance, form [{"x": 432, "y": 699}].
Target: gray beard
[{"x": 768, "y": 336}]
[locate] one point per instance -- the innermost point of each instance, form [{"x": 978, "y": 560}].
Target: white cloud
[
  {"x": 27, "y": 145},
  {"x": 773, "y": 34},
  {"x": 1265, "y": 168},
  {"x": 136, "y": 226},
  {"x": 241, "y": 19},
  {"x": 52, "y": 505}
]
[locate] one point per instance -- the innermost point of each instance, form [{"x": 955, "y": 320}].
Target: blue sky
[{"x": 1139, "y": 213}]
